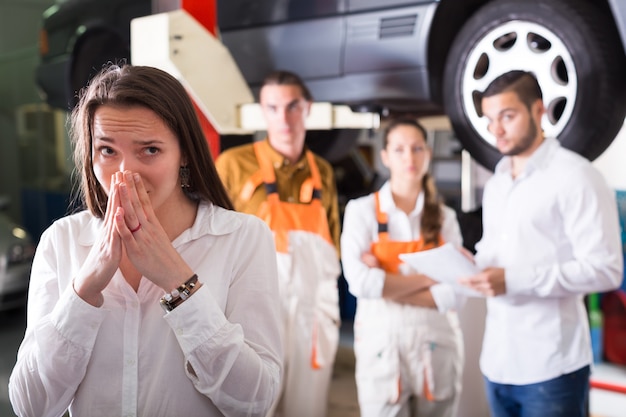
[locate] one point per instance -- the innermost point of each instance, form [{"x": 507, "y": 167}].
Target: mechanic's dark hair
[
  {"x": 281, "y": 77},
  {"x": 158, "y": 91},
  {"x": 522, "y": 83},
  {"x": 432, "y": 215}
]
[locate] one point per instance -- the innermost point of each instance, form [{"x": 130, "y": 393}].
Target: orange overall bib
[
  {"x": 387, "y": 251},
  {"x": 307, "y": 271},
  {"x": 398, "y": 351}
]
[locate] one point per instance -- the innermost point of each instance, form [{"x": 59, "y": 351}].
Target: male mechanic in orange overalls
[{"x": 293, "y": 190}]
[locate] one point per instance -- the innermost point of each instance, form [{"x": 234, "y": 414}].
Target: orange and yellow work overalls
[
  {"x": 308, "y": 269},
  {"x": 405, "y": 351}
]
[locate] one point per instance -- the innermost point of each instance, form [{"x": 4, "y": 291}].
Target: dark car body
[{"x": 394, "y": 56}]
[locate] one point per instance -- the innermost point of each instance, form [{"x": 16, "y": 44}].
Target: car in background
[
  {"x": 77, "y": 38},
  {"x": 418, "y": 57},
  {"x": 16, "y": 257}
]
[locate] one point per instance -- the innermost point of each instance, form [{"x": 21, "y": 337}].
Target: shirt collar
[
  {"x": 210, "y": 220},
  {"x": 387, "y": 204},
  {"x": 538, "y": 160},
  {"x": 278, "y": 160}
]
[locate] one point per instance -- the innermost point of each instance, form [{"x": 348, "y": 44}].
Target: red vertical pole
[{"x": 205, "y": 12}]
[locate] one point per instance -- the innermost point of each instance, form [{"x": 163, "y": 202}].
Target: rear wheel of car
[{"x": 572, "y": 48}]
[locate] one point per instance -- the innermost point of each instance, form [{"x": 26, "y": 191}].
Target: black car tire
[
  {"x": 569, "y": 45},
  {"x": 94, "y": 50}
]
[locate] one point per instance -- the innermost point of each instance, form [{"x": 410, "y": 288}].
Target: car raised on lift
[{"x": 392, "y": 56}]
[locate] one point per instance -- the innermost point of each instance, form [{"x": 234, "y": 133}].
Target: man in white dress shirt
[{"x": 551, "y": 235}]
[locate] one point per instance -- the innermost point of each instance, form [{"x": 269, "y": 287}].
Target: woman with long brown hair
[
  {"x": 408, "y": 344},
  {"x": 157, "y": 299}
]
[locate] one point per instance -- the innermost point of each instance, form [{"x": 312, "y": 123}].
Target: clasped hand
[{"x": 130, "y": 231}]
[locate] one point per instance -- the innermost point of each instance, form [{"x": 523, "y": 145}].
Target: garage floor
[{"x": 343, "y": 399}]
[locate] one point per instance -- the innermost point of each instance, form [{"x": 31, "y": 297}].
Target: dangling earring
[{"x": 184, "y": 177}]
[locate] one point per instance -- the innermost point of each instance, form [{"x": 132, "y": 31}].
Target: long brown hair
[
  {"x": 432, "y": 214},
  {"x": 160, "y": 92}
]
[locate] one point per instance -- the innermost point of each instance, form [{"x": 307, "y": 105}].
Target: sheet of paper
[{"x": 445, "y": 264}]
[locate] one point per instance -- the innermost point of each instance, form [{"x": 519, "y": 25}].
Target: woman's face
[
  {"x": 406, "y": 155},
  {"x": 136, "y": 139}
]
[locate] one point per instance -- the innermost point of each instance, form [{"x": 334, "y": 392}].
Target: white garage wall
[{"x": 612, "y": 163}]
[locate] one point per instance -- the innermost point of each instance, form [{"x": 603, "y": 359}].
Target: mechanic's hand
[
  {"x": 147, "y": 245},
  {"x": 418, "y": 281},
  {"x": 424, "y": 281},
  {"x": 105, "y": 255},
  {"x": 370, "y": 260},
  {"x": 465, "y": 252},
  {"x": 489, "y": 282}
]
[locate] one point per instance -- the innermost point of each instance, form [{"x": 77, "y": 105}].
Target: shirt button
[
  {"x": 179, "y": 331},
  {"x": 130, "y": 362}
]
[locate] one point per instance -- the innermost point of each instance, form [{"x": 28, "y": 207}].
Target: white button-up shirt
[
  {"x": 555, "y": 231},
  {"x": 218, "y": 353}
]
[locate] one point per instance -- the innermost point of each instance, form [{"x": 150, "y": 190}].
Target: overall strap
[
  {"x": 381, "y": 218},
  {"x": 311, "y": 188},
  {"x": 250, "y": 186},
  {"x": 266, "y": 169},
  {"x": 264, "y": 175}
]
